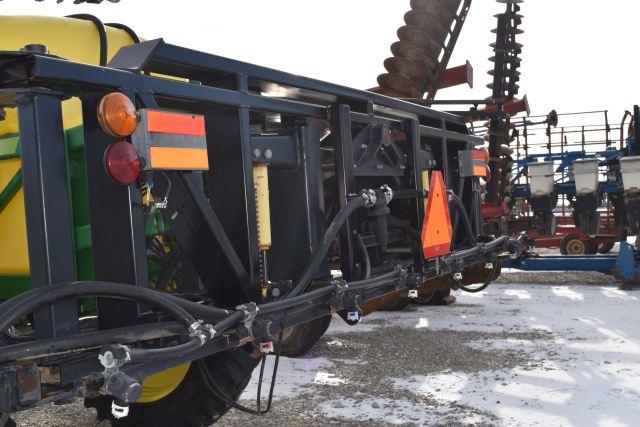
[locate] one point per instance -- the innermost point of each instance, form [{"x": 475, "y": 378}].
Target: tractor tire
[
  {"x": 299, "y": 340},
  {"x": 326, "y": 322},
  {"x": 605, "y": 248},
  {"x": 572, "y": 245},
  {"x": 191, "y": 404},
  {"x": 592, "y": 247}
]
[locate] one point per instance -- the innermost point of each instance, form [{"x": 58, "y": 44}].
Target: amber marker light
[{"x": 117, "y": 115}]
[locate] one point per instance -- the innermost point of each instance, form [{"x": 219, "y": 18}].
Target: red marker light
[{"x": 122, "y": 163}]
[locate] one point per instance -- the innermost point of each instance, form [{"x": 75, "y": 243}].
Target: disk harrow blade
[{"x": 418, "y": 61}]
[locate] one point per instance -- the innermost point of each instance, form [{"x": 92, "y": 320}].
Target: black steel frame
[{"x": 226, "y": 92}]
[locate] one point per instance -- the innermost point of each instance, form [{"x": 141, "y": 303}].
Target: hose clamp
[
  {"x": 250, "y": 311},
  {"x": 370, "y": 198},
  {"x": 193, "y": 328},
  {"x": 337, "y": 300},
  {"x": 387, "y": 192},
  {"x": 209, "y": 328}
]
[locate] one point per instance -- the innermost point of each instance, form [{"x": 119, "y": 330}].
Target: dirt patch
[{"x": 367, "y": 364}]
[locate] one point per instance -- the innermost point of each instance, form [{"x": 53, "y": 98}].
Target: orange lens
[{"x": 117, "y": 115}]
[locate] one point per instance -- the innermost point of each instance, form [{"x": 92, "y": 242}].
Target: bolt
[
  {"x": 256, "y": 153},
  {"x": 402, "y": 167},
  {"x": 379, "y": 167},
  {"x": 363, "y": 146},
  {"x": 268, "y": 153}
]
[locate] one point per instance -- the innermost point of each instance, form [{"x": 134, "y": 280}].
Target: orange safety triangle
[{"x": 436, "y": 229}]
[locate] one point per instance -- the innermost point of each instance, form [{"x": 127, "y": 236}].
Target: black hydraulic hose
[
  {"x": 88, "y": 340},
  {"x": 307, "y": 297},
  {"x": 152, "y": 331},
  {"x": 397, "y": 222},
  {"x": 134, "y": 37},
  {"x": 325, "y": 244},
  {"x": 176, "y": 351},
  {"x": 408, "y": 194},
  {"x": 151, "y": 354},
  {"x": 484, "y": 286},
  {"x": 117, "y": 336},
  {"x": 365, "y": 256},
  {"x": 229, "y": 322},
  {"x": 102, "y": 34},
  {"x": 213, "y": 387},
  {"x": 480, "y": 247},
  {"x": 286, "y": 303},
  {"x": 375, "y": 281},
  {"x": 201, "y": 311},
  {"x": 106, "y": 289},
  {"x": 470, "y": 235}
]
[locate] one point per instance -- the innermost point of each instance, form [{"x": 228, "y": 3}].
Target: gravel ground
[{"x": 472, "y": 363}]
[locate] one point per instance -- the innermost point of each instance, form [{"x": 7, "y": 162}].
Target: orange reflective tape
[
  {"x": 436, "y": 229},
  {"x": 179, "y": 158},
  {"x": 478, "y": 155},
  {"x": 184, "y": 124},
  {"x": 479, "y": 170}
]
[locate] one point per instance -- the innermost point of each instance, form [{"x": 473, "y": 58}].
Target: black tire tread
[
  {"x": 191, "y": 404},
  {"x": 303, "y": 337}
]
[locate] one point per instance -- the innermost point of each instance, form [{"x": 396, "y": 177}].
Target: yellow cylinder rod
[
  {"x": 263, "y": 211},
  {"x": 425, "y": 184}
]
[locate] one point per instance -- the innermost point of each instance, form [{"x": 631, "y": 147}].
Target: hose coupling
[
  {"x": 112, "y": 357},
  {"x": 250, "y": 311},
  {"x": 203, "y": 331},
  {"x": 387, "y": 192}
]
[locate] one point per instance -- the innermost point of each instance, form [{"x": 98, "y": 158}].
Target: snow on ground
[{"x": 526, "y": 355}]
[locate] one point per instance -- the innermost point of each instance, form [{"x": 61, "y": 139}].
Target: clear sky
[{"x": 578, "y": 54}]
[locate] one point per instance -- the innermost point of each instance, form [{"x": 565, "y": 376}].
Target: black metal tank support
[
  {"x": 343, "y": 156},
  {"x": 412, "y": 130},
  {"x": 46, "y": 195},
  {"x": 297, "y": 210},
  {"x": 231, "y": 193},
  {"x": 117, "y": 225}
]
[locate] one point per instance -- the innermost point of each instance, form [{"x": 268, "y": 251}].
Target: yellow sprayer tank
[{"x": 74, "y": 39}]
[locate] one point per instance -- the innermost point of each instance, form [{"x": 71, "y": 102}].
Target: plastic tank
[
  {"x": 630, "y": 168},
  {"x": 69, "y": 38},
  {"x": 541, "y": 178},
  {"x": 585, "y": 174}
]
